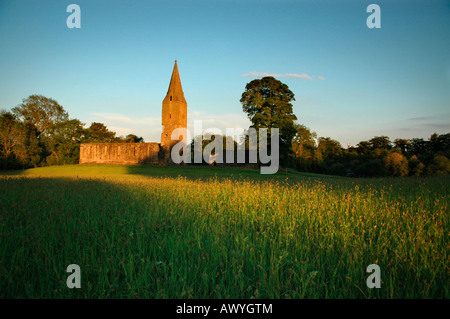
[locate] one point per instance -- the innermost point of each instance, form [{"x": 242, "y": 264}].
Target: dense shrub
[{"x": 396, "y": 164}]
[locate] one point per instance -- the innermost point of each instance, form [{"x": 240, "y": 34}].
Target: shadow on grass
[
  {"x": 12, "y": 172},
  {"x": 140, "y": 239},
  {"x": 128, "y": 241},
  {"x": 170, "y": 239},
  {"x": 191, "y": 172},
  {"x": 206, "y": 172},
  {"x": 50, "y": 223}
]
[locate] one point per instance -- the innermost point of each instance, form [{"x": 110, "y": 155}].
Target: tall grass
[{"x": 203, "y": 233}]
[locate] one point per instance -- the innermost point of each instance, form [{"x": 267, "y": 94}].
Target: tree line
[
  {"x": 376, "y": 157},
  {"x": 267, "y": 102},
  {"x": 39, "y": 132}
]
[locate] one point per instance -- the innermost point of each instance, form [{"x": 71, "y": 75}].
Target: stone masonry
[
  {"x": 119, "y": 153},
  {"x": 174, "y": 115}
]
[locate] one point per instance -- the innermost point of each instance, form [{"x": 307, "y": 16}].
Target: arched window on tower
[{"x": 171, "y": 97}]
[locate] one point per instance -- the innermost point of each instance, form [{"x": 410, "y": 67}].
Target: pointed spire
[{"x": 175, "y": 91}]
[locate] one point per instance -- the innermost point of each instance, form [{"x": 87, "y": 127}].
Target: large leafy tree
[
  {"x": 381, "y": 142},
  {"x": 44, "y": 113},
  {"x": 396, "y": 164},
  {"x": 64, "y": 145},
  {"x": 363, "y": 147},
  {"x": 12, "y": 135},
  {"x": 417, "y": 146},
  {"x": 39, "y": 132},
  {"x": 439, "y": 143},
  {"x": 304, "y": 142},
  {"x": 132, "y": 138},
  {"x": 328, "y": 148},
  {"x": 99, "y": 133},
  {"x": 303, "y": 147},
  {"x": 402, "y": 144},
  {"x": 19, "y": 146},
  {"x": 267, "y": 102}
]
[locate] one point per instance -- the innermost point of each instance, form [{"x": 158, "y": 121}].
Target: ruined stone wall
[{"x": 119, "y": 153}]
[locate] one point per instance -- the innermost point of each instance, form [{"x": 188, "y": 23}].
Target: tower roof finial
[{"x": 175, "y": 91}]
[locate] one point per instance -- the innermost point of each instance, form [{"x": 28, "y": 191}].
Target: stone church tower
[{"x": 174, "y": 113}]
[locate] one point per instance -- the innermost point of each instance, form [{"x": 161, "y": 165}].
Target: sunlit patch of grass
[{"x": 181, "y": 232}]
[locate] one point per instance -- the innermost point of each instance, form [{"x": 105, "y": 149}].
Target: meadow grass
[{"x": 204, "y": 232}]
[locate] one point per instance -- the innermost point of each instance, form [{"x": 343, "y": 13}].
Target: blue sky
[{"x": 351, "y": 83}]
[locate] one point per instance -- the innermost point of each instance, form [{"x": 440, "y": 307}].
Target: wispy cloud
[
  {"x": 431, "y": 123},
  {"x": 275, "y": 75},
  {"x": 420, "y": 118},
  {"x": 120, "y": 118},
  {"x": 147, "y": 127},
  {"x": 443, "y": 126},
  {"x": 122, "y": 131},
  {"x": 439, "y": 122}
]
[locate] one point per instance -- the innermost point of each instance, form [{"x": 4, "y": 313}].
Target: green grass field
[{"x": 204, "y": 232}]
